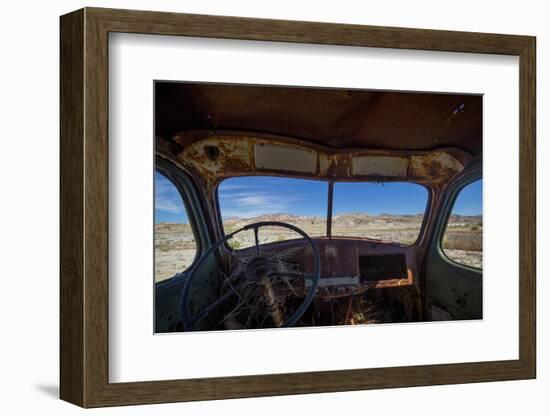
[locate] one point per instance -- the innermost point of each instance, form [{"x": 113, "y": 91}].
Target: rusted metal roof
[{"x": 334, "y": 118}]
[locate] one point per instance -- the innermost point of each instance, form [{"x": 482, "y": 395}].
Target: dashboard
[{"x": 352, "y": 266}]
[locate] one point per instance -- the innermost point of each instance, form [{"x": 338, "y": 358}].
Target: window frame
[{"x": 185, "y": 187}]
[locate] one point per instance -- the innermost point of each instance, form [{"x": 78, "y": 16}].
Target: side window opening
[
  {"x": 463, "y": 236},
  {"x": 175, "y": 244}
]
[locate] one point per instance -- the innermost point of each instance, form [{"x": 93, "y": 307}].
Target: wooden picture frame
[{"x": 84, "y": 207}]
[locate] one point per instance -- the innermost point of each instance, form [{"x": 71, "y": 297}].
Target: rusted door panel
[
  {"x": 451, "y": 290},
  {"x": 168, "y": 292}
]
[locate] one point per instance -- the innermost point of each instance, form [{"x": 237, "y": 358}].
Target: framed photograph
[{"x": 261, "y": 207}]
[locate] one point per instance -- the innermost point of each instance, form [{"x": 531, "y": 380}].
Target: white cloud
[
  {"x": 253, "y": 204},
  {"x": 233, "y": 187},
  {"x": 168, "y": 205},
  {"x": 269, "y": 196},
  {"x": 167, "y": 198}
]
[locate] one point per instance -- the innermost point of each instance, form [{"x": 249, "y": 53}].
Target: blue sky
[
  {"x": 253, "y": 196},
  {"x": 377, "y": 198},
  {"x": 246, "y": 197},
  {"x": 469, "y": 201},
  {"x": 168, "y": 204}
]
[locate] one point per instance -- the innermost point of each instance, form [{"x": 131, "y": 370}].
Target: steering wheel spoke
[{"x": 256, "y": 242}]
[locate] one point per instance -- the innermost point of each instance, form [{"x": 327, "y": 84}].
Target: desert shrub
[{"x": 462, "y": 241}]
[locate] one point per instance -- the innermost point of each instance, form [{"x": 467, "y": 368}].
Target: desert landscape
[{"x": 175, "y": 247}]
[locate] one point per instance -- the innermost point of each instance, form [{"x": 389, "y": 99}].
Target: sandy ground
[
  {"x": 175, "y": 249},
  {"x": 175, "y": 246},
  {"x": 469, "y": 258}
]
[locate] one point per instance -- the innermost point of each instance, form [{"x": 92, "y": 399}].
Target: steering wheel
[{"x": 254, "y": 275}]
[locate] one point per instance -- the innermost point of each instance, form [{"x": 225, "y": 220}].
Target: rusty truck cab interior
[{"x": 275, "y": 269}]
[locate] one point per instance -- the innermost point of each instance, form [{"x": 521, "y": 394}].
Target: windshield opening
[{"x": 389, "y": 211}]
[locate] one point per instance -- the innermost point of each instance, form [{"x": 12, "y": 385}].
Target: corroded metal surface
[
  {"x": 337, "y": 118},
  {"x": 215, "y": 156}
]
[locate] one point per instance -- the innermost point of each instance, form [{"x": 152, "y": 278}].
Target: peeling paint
[{"x": 215, "y": 156}]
